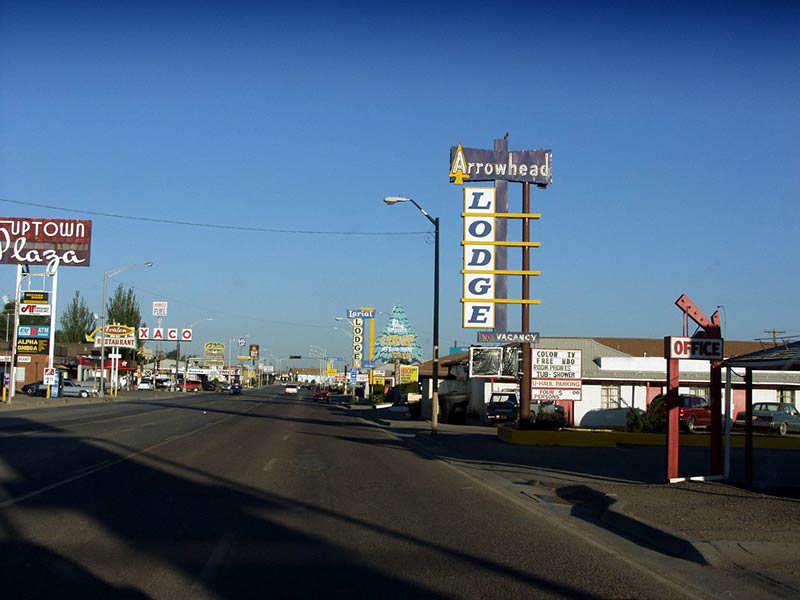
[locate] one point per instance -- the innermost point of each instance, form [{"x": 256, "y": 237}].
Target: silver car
[{"x": 772, "y": 416}]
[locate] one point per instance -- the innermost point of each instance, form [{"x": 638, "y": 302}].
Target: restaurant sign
[{"x": 64, "y": 242}]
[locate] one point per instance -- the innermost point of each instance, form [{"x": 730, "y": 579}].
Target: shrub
[
  {"x": 549, "y": 420},
  {"x": 645, "y": 422}
]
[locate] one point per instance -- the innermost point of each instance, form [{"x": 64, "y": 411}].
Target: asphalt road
[{"x": 259, "y": 495}]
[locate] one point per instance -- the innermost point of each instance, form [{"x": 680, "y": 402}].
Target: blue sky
[{"x": 245, "y": 148}]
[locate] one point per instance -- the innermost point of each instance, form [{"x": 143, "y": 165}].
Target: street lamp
[
  {"x": 390, "y": 200},
  {"x": 106, "y": 276},
  {"x": 178, "y": 355}
]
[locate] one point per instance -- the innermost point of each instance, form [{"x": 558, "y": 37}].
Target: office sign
[
  {"x": 478, "y": 310},
  {"x": 694, "y": 348},
  {"x": 63, "y": 242},
  {"x": 524, "y": 166}
]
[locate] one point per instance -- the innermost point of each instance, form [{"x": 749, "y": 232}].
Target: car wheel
[
  {"x": 84, "y": 394},
  {"x": 690, "y": 424},
  {"x": 783, "y": 428}
]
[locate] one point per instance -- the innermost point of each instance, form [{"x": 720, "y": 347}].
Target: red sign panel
[{"x": 63, "y": 242}]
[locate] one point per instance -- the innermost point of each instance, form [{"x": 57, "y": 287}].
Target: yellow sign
[
  {"x": 214, "y": 348},
  {"x": 409, "y": 374},
  {"x": 243, "y": 357},
  {"x": 378, "y": 380},
  {"x": 458, "y": 168}
]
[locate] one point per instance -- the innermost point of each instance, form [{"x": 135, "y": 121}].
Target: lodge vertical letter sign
[{"x": 479, "y": 258}]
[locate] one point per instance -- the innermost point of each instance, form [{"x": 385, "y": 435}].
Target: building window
[
  {"x": 610, "y": 396},
  {"x": 699, "y": 391},
  {"x": 786, "y": 396}
]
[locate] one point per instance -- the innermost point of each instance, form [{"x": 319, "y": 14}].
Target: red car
[
  {"x": 693, "y": 411},
  {"x": 321, "y": 396},
  {"x": 191, "y": 386}
]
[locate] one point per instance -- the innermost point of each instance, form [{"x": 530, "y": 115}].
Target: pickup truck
[{"x": 502, "y": 407}]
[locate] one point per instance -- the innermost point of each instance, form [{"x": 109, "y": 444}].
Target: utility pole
[{"x": 774, "y": 333}]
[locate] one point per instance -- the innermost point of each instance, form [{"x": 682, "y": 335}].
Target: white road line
[
  {"x": 220, "y": 550},
  {"x": 286, "y": 437},
  {"x": 107, "y": 464},
  {"x": 270, "y": 464}
]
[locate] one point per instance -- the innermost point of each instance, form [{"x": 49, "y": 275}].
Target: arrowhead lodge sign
[
  {"x": 65, "y": 242},
  {"x": 524, "y": 166}
]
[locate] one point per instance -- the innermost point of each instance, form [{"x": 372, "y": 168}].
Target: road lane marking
[
  {"x": 286, "y": 437},
  {"x": 270, "y": 463},
  {"x": 220, "y": 550},
  {"x": 110, "y": 463}
]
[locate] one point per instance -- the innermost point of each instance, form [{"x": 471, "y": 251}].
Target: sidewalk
[{"x": 621, "y": 490}]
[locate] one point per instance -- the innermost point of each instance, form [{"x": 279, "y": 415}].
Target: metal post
[
  {"x": 527, "y": 367},
  {"x": 103, "y": 338},
  {"x": 435, "y": 387}
]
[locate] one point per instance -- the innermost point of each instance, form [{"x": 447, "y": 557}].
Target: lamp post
[
  {"x": 106, "y": 276},
  {"x": 390, "y": 200},
  {"x": 178, "y": 355}
]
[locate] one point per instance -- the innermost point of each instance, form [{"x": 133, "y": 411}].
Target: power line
[{"x": 212, "y": 225}]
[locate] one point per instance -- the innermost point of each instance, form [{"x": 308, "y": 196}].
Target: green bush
[
  {"x": 646, "y": 422},
  {"x": 551, "y": 420}
]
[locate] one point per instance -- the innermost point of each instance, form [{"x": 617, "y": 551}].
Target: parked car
[
  {"x": 190, "y": 385},
  {"x": 70, "y": 388},
  {"x": 224, "y": 386},
  {"x": 236, "y": 388},
  {"x": 210, "y": 386},
  {"x": 777, "y": 417},
  {"x": 67, "y": 388},
  {"x": 145, "y": 383},
  {"x": 321, "y": 395},
  {"x": 502, "y": 407},
  {"x": 290, "y": 389},
  {"x": 693, "y": 411}
]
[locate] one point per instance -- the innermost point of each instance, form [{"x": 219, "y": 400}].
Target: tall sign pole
[
  {"x": 501, "y": 256},
  {"x": 527, "y": 370},
  {"x": 485, "y": 236}
]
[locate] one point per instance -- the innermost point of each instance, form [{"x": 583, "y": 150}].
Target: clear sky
[{"x": 245, "y": 148}]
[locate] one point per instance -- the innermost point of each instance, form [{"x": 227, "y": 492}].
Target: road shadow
[{"x": 224, "y": 537}]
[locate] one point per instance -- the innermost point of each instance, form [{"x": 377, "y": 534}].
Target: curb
[{"x": 611, "y": 439}]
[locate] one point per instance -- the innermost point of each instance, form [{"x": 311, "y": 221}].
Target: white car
[
  {"x": 145, "y": 383},
  {"x": 290, "y": 389}
]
